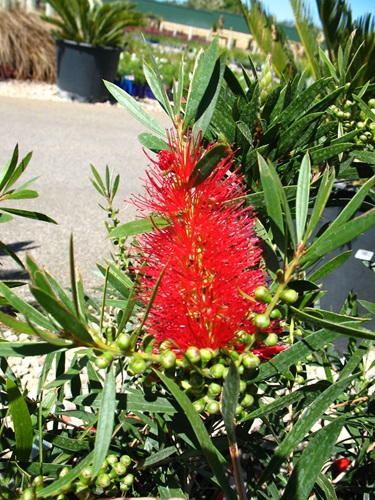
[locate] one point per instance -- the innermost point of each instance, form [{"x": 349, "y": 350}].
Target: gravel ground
[{"x": 48, "y": 91}]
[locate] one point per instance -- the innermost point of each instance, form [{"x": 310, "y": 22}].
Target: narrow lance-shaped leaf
[
  {"x": 139, "y": 226},
  {"x": 105, "y": 421},
  {"x": 330, "y": 266},
  {"x": 302, "y": 198},
  {"x": 22, "y": 424},
  {"x": 229, "y": 400},
  {"x": 135, "y": 109},
  {"x": 206, "y": 165},
  {"x": 202, "y": 73},
  {"x": 309, "y": 465},
  {"x": 347, "y": 232},
  {"x": 209, "y": 450},
  {"x": 311, "y": 415},
  {"x": 271, "y": 195}
]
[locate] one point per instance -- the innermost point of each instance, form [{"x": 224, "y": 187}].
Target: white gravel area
[{"x": 28, "y": 89}]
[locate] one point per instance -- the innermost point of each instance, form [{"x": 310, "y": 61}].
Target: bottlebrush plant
[{"x": 208, "y": 367}]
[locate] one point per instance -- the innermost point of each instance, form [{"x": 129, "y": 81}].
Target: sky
[{"x": 283, "y": 10}]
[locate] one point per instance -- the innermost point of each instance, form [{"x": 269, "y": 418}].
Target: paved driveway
[{"x": 65, "y": 138}]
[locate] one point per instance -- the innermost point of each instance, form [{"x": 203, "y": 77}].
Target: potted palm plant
[{"x": 89, "y": 38}]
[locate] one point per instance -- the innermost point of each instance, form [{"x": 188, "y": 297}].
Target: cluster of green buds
[
  {"x": 354, "y": 119},
  {"x": 201, "y": 374},
  {"x": 265, "y": 82},
  {"x": 112, "y": 480}
]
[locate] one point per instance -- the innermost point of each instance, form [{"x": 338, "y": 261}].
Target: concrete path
[{"x": 65, "y": 137}]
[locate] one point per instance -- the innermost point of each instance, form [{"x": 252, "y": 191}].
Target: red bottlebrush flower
[{"x": 207, "y": 255}]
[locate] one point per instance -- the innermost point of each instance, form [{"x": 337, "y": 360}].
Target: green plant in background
[
  {"x": 152, "y": 419},
  {"x": 96, "y": 23}
]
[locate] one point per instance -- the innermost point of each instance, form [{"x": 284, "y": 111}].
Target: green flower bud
[
  {"x": 37, "y": 481},
  {"x": 214, "y": 389},
  {"x": 123, "y": 341},
  {"x": 242, "y": 386},
  {"x": 271, "y": 340},
  {"x": 250, "y": 361},
  {"x": 289, "y": 296},
  {"x": 101, "y": 362},
  {"x": 199, "y": 405},
  {"x": 217, "y": 371},
  {"x": 193, "y": 354},
  {"x": 137, "y": 365},
  {"x": 276, "y": 314},
  {"x": 206, "y": 355},
  {"x": 238, "y": 410},
  {"x": 128, "y": 480},
  {"x": 86, "y": 475},
  {"x": 103, "y": 481},
  {"x": 262, "y": 294},
  {"x": 82, "y": 491},
  {"x": 262, "y": 321},
  {"x": 119, "y": 468},
  {"x": 126, "y": 460},
  {"x": 28, "y": 494},
  {"x": 247, "y": 400},
  {"x": 212, "y": 407},
  {"x": 112, "y": 459},
  {"x": 168, "y": 359}
]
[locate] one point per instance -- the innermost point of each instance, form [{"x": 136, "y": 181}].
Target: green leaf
[
  {"x": 152, "y": 142},
  {"x": 10, "y": 252},
  {"x": 156, "y": 85},
  {"x": 207, "y": 164},
  {"x": 280, "y": 363},
  {"x": 330, "y": 266},
  {"x": 29, "y": 329},
  {"x": 159, "y": 456},
  {"x": 330, "y": 240},
  {"x": 28, "y": 311},
  {"x": 322, "y": 197},
  {"x": 302, "y": 197},
  {"x": 229, "y": 400},
  {"x": 317, "y": 317},
  {"x": 209, "y": 100},
  {"x": 309, "y": 465},
  {"x": 7, "y": 170},
  {"x": 203, "y": 70},
  {"x": 271, "y": 196},
  {"x": 23, "y": 194},
  {"x": 325, "y": 485},
  {"x": 105, "y": 421},
  {"x": 22, "y": 424},
  {"x": 68, "y": 322},
  {"x": 350, "y": 208},
  {"x": 28, "y": 215},
  {"x": 66, "y": 443},
  {"x": 309, "y": 417},
  {"x": 370, "y": 306},
  {"x": 25, "y": 349},
  {"x": 201, "y": 433},
  {"x": 319, "y": 154},
  {"x": 138, "y": 226},
  {"x": 135, "y": 109}
]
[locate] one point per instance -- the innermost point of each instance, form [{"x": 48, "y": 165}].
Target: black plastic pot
[{"x": 81, "y": 69}]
